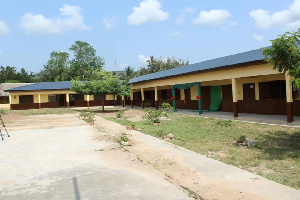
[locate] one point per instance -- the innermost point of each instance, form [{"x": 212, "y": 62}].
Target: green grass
[
  {"x": 2, "y": 111},
  {"x": 275, "y": 156},
  {"x": 46, "y": 111}
]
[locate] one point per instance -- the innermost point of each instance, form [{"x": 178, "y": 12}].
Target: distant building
[
  {"x": 54, "y": 95},
  {"x": 4, "y": 96}
]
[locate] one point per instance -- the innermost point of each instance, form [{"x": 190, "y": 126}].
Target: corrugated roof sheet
[
  {"x": 62, "y": 85},
  {"x": 7, "y": 86},
  {"x": 246, "y": 57}
]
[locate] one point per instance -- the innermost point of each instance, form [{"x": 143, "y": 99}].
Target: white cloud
[
  {"x": 143, "y": 59},
  {"x": 289, "y": 19},
  {"x": 175, "y": 34},
  {"x": 1, "y": 53},
  {"x": 70, "y": 19},
  {"x": 184, "y": 15},
  {"x": 4, "y": 29},
  {"x": 212, "y": 18},
  {"x": 149, "y": 11},
  {"x": 258, "y": 37},
  {"x": 232, "y": 24},
  {"x": 109, "y": 22},
  {"x": 188, "y": 10}
]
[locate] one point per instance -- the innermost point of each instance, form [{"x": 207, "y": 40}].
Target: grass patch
[
  {"x": 46, "y": 111},
  {"x": 276, "y": 154},
  {"x": 2, "y": 111}
]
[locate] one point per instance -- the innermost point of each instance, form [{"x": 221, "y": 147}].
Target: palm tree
[{"x": 129, "y": 72}]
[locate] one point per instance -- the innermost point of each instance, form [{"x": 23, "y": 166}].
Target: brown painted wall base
[
  {"x": 289, "y": 113},
  {"x": 235, "y": 109},
  {"x": 24, "y": 106},
  {"x": 50, "y": 105}
]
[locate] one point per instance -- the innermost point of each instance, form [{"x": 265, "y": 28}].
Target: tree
[
  {"x": 129, "y": 72},
  {"x": 156, "y": 65},
  {"x": 57, "y": 68},
  {"x": 85, "y": 61},
  {"x": 284, "y": 55},
  {"x": 103, "y": 83},
  {"x": 11, "y": 75}
]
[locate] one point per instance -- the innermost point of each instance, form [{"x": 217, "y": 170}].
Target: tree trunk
[{"x": 102, "y": 105}]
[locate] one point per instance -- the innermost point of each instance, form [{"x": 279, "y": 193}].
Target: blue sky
[{"x": 130, "y": 31}]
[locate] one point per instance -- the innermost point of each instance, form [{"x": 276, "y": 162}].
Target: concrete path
[{"x": 63, "y": 163}]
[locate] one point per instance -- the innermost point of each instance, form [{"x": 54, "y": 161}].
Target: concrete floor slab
[{"x": 62, "y": 163}]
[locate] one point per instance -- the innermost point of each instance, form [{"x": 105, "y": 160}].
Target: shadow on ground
[{"x": 280, "y": 145}]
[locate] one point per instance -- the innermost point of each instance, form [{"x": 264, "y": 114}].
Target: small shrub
[
  {"x": 119, "y": 114},
  {"x": 123, "y": 138},
  {"x": 87, "y": 116},
  {"x": 166, "y": 108},
  {"x": 242, "y": 139},
  {"x": 152, "y": 115}
]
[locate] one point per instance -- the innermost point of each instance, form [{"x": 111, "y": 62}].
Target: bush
[
  {"x": 87, "y": 116},
  {"x": 242, "y": 139},
  {"x": 154, "y": 115},
  {"x": 119, "y": 114},
  {"x": 166, "y": 108}
]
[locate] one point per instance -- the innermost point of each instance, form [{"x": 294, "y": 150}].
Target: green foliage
[
  {"x": 85, "y": 61},
  {"x": 119, "y": 114},
  {"x": 154, "y": 115},
  {"x": 284, "y": 55},
  {"x": 103, "y": 83},
  {"x": 242, "y": 139},
  {"x": 87, "y": 116},
  {"x": 82, "y": 67},
  {"x": 11, "y": 75},
  {"x": 57, "y": 68},
  {"x": 123, "y": 138},
  {"x": 166, "y": 108},
  {"x": 156, "y": 65}
]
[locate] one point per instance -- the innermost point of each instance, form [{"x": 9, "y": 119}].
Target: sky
[{"x": 130, "y": 31}]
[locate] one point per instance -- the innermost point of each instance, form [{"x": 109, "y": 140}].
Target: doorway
[{"x": 249, "y": 97}]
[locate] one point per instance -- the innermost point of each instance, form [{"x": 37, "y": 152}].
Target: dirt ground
[{"x": 148, "y": 154}]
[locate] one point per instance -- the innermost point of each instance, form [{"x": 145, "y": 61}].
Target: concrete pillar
[
  {"x": 143, "y": 98},
  {"x": 68, "y": 100},
  {"x": 40, "y": 105},
  {"x": 256, "y": 91},
  {"x": 131, "y": 98},
  {"x": 88, "y": 101},
  {"x": 234, "y": 97},
  {"x": 289, "y": 98},
  {"x": 123, "y": 100},
  {"x": 156, "y": 98},
  {"x": 10, "y": 106}
]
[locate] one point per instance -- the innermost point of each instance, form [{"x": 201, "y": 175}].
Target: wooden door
[{"x": 249, "y": 97}]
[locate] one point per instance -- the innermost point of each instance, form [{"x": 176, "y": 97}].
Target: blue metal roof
[
  {"x": 62, "y": 85},
  {"x": 246, "y": 57}
]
